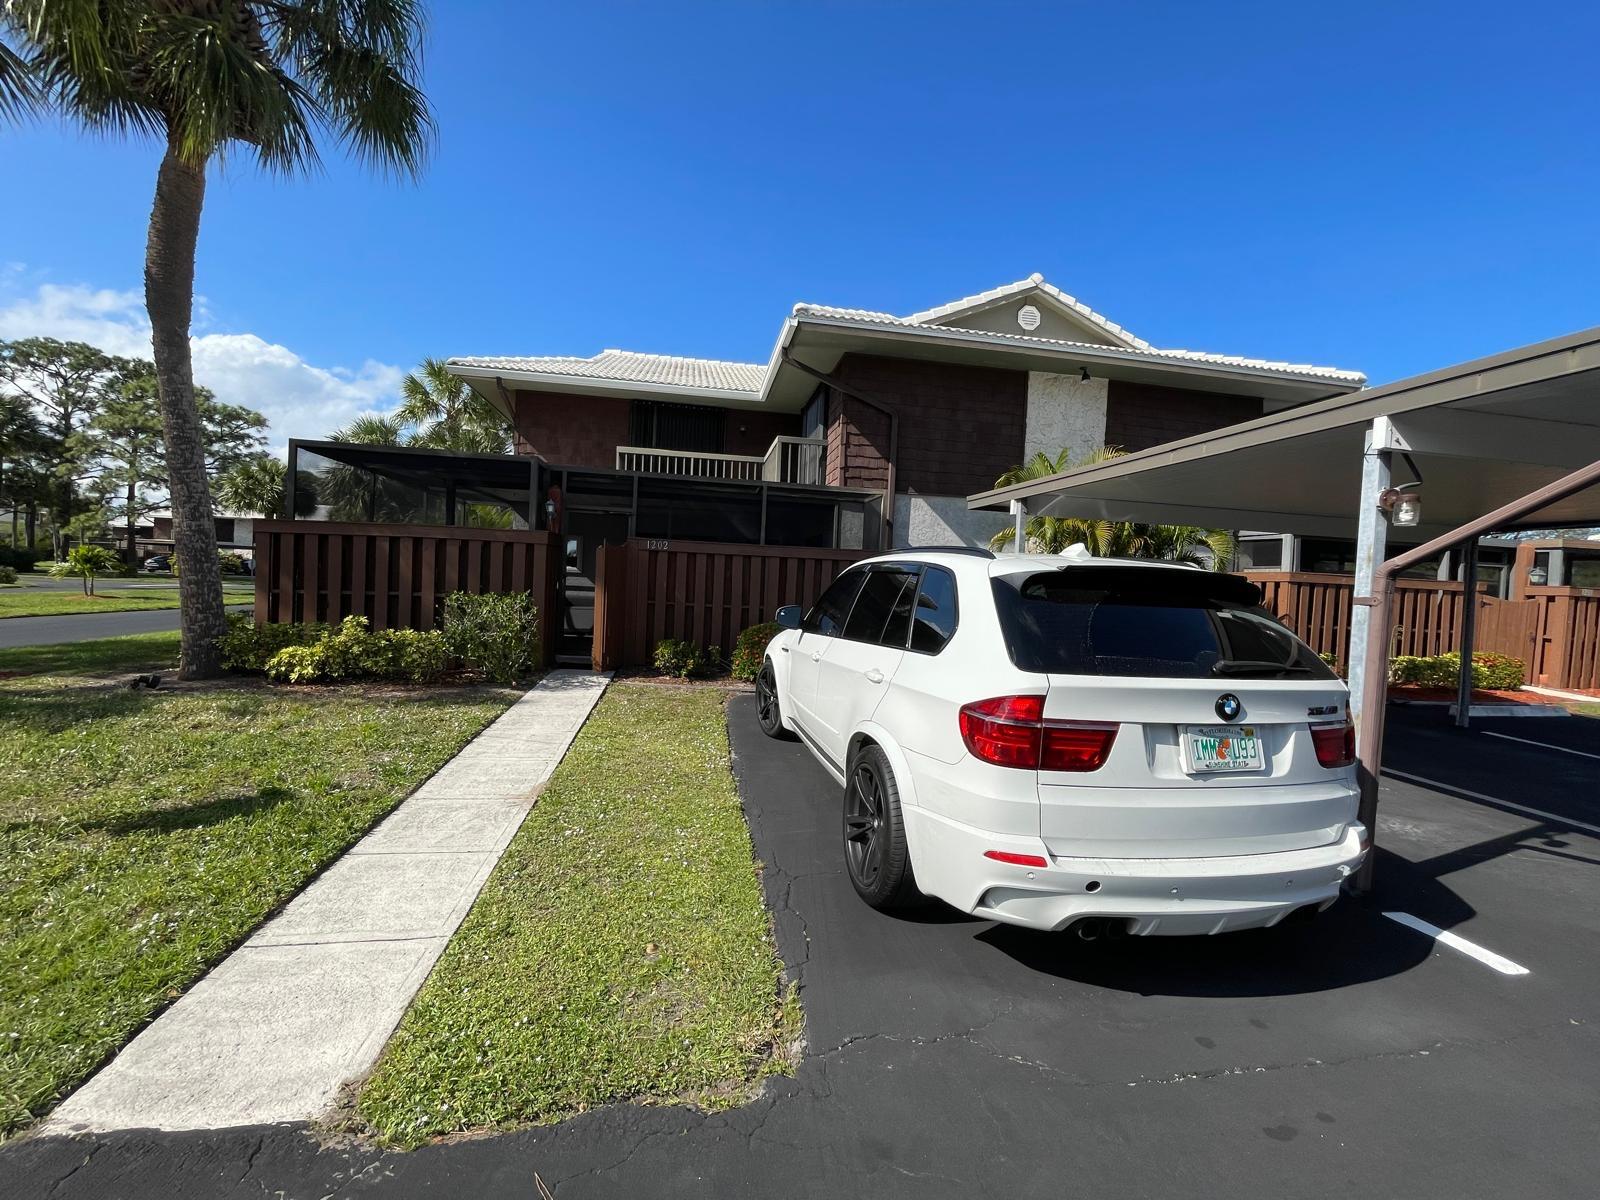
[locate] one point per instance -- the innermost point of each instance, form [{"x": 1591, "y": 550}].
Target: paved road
[
  {"x": 949, "y": 1057},
  {"x": 81, "y": 627}
]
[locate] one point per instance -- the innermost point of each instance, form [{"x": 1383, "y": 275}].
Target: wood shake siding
[
  {"x": 960, "y": 426},
  {"x": 1141, "y": 415}
]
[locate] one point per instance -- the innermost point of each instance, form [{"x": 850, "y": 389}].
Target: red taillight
[
  {"x": 1018, "y": 860},
  {"x": 1336, "y": 744},
  {"x": 1010, "y": 731}
]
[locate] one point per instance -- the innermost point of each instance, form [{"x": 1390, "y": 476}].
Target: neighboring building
[
  {"x": 920, "y": 410},
  {"x": 235, "y": 533}
]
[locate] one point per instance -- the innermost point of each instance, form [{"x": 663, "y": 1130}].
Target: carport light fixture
[
  {"x": 1404, "y": 508},
  {"x": 1083, "y": 374}
]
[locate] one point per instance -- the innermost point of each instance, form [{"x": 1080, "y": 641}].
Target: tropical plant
[
  {"x": 84, "y": 562},
  {"x": 253, "y": 486},
  {"x": 261, "y": 75},
  {"x": 1109, "y": 539},
  {"x": 496, "y": 633},
  {"x": 446, "y": 414}
]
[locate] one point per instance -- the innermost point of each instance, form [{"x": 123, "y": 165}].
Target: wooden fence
[
  {"x": 1567, "y": 637},
  {"x": 705, "y": 592},
  {"x": 394, "y": 575},
  {"x": 1317, "y": 607}
]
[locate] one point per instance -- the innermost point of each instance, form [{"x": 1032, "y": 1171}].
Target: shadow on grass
[{"x": 192, "y": 816}]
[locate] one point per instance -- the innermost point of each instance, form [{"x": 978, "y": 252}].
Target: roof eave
[
  {"x": 589, "y": 385},
  {"x": 1115, "y": 361}
]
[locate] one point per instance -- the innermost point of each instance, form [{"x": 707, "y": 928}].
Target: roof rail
[{"x": 975, "y": 551}]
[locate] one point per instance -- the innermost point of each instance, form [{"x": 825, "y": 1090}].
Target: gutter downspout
[
  {"x": 894, "y": 433},
  {"x": 1369, "y": 736}
]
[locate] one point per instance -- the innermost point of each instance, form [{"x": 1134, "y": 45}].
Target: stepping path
[{"x": 280, "y": 1026}]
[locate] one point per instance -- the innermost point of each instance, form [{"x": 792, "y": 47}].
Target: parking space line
[
  {"x": 1553, "y": 818},
  {"x": 1542, "y": 745},
  {"x": 1456, "y": 942}
]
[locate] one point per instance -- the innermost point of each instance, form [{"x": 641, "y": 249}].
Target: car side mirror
[{"x": 789, "y": 616}]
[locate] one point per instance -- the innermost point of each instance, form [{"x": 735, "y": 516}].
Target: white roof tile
[
  {"x": 1142, "y": 351},
  {"x": 630, "y": 367},
  {"x": 627, "y": 366}
]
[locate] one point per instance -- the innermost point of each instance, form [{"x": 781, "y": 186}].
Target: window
[
  {"x": 827, "y": 615},
  {"x": 692, "y": 427},
  {"x": 1147, "y": 622},
  {"x": 935, "y": 620},
  {"x": 882, "y": 611}
]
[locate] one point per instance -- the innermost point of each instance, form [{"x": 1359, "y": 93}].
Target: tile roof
[
  {"x": 1034, "y": 282},
  {"x": 626, "y": 366},
  {"x": 1142, "y": 351},
  {"x": 630, "y": 367}
]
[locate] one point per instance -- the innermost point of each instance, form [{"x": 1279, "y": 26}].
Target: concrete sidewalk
[{"x": 307, "y": 1004}]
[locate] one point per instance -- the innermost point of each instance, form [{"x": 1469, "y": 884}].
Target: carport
[{"x": 1502, "y": 443}]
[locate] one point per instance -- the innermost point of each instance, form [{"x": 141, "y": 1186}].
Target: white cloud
[{"x": 300, "y": 399}]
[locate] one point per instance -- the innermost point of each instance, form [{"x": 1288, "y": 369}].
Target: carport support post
[
  {"x": 1019, "y": 515},
  {"x": 1372, "y": 536},
  {"x": 1469, "y": 631}
]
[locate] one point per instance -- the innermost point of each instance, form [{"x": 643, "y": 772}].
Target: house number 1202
[{"x": 657, "y": 544}]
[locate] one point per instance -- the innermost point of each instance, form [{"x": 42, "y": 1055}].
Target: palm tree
[
  {"x": 264, "y": 76},
  {"x": 1109, "y": 539},
  {"x": 446, "y": 414},
  {"x": 253, "y": 486}
]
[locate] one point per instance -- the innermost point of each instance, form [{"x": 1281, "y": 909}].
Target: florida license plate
[{"x": 1213, "y": 748}]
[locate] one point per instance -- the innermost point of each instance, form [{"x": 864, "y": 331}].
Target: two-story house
[{"x": 917, "y": 411}]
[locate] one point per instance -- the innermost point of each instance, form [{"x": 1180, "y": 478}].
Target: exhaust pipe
[{"x": 1090, "y": 929}]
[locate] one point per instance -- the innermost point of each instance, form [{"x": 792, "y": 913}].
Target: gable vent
[{"x": 1028, "y": 317}]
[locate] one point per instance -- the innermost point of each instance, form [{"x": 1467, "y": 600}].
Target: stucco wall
[
  {"x": 1064, "y": 411},
  {"x": 943, "y": 521}
]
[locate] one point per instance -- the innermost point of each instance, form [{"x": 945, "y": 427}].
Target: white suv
[{"x": 1102, "y": 744}]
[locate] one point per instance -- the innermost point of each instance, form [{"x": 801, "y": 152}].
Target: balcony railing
[{"x": 787, "y": 460}]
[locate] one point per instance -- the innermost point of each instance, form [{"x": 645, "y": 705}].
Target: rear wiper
[{"x": 1250, "y": 666}]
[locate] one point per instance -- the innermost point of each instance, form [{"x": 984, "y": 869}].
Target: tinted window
[
  {"x": 827, "y": 614},
  {"x": 935, "y": 619},
  {"x": 877, "y": 606},
  {"x": 1144, "y": 622}
]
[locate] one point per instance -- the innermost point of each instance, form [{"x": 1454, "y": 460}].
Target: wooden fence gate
[{"x": 704, "y": 592}]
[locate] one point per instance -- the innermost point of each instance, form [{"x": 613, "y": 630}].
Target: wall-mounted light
[
  {"x": 1404, "y": 508},
  {"x": 1083, "y": 374},
  {"x": 1538, "y": 577}
]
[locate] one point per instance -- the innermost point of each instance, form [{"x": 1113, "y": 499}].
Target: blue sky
[{"x": 1384, "y": 187}]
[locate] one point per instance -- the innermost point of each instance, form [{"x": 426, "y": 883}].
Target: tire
[
  {"x": 875, "y": 853},
  {"x": 768, "y": 713}
]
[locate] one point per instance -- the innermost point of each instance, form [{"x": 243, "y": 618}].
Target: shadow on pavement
[{"x": 1350, "y": 943}]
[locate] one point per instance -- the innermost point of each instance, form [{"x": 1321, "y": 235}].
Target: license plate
[{"x": 1215, "y": 748}]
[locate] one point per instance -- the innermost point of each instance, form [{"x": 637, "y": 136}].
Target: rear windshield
[{"x": 1146, "y": 622}]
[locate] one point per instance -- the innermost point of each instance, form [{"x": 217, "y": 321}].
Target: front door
[{"x": 584, "y": 534}]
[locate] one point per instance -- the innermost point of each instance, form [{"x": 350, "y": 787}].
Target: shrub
[
  {"x": 248, "y": 646},
  {"x": 682, "y": 659},
  {"x": 231, "y": 563},
  {"x": 18, "y": 558},
  {"x": 1440, "y": 670},
  {"x": 751, "y": 648},
  {"x": 354, "y": 652},
  {"x": 495, "y": 633},
  {"x": 8, "y": 574}
]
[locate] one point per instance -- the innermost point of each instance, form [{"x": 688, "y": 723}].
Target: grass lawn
[
  {"x": 101, "y": 656},
  {"x": 146, "y": 833},
  {"x": 38, "y": 602},
  {"x": 620, "y": 951}
]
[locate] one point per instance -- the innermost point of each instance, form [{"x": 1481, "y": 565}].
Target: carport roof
[{"x": 1481, "y": 435}]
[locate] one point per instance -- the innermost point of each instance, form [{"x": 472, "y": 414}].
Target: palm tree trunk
[{"x": 169, "y": 298}]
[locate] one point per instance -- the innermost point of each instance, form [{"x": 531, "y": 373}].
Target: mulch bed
[{"x": 1479, "y": 695}]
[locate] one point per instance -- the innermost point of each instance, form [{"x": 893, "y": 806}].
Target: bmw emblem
[{"x": 1228, "y": 707}]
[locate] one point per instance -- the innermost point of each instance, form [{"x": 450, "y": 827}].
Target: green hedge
[
  {"x": 751, "y": 649},
  {"x": 1499, "y": 671}
]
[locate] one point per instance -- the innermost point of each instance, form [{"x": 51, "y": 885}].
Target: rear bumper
[{"x": 1149, "y": 896}]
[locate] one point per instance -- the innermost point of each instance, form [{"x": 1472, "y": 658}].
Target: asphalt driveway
[{"x": 952, "y": 1057}]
